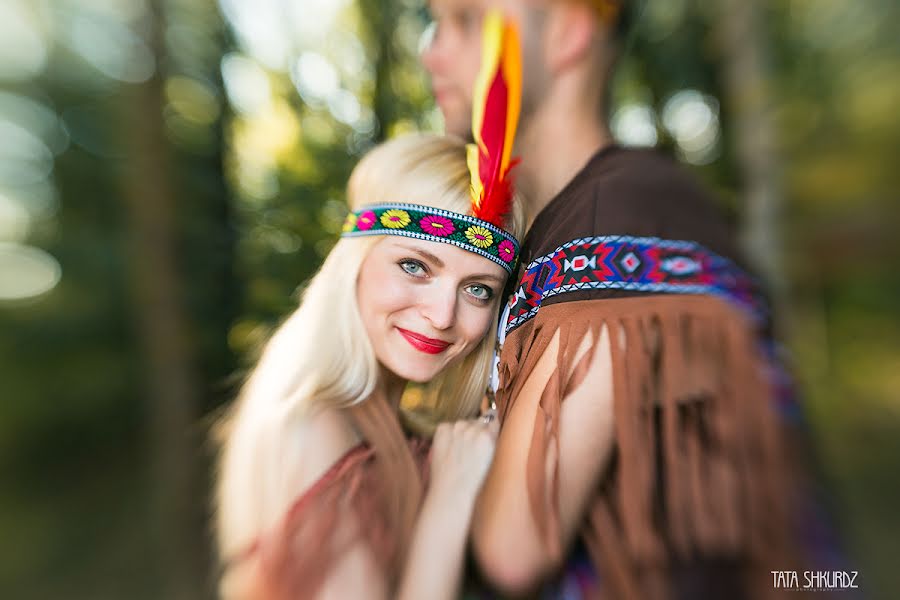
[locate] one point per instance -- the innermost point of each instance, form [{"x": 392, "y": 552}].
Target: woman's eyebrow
[
  {"x": 424, "y": 254},
  {"x": 440, "y": 263},
  {"x": 497, "y": 278}
]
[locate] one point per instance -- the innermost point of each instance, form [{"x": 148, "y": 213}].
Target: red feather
[{"x": 498, "y": 123}]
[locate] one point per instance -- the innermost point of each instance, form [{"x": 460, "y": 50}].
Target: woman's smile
[
  {"x": 423, "y": 343},
  {"x": 425, "y": 304}
]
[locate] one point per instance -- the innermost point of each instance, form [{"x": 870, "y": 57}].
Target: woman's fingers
[{"x": 462, "y": 453}]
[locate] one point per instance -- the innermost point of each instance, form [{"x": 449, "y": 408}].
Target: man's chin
[
  {"x": 458, "y": 124},
  {"x": 462, "y": 130}
]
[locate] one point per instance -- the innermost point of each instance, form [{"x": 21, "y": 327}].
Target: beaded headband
[
  {"x": 435, "y": 225},
  {"x": 494, "y": 118}
]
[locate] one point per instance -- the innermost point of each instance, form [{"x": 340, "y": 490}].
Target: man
[{"x": 636, "y": 421}]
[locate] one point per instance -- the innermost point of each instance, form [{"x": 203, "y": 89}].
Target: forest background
[{"x": 172, "y": 172}]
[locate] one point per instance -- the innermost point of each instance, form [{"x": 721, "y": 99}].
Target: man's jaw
[
  {"x": 456, "y": 112},
  {"x": 458, "y": 125}
]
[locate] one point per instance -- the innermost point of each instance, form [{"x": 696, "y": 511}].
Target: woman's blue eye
[
  {"x": 413, "y": 267},
  {"x": 481, "y": 292}
]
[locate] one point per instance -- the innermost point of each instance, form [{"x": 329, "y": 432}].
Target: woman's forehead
[{"x": 446, "y": 256}]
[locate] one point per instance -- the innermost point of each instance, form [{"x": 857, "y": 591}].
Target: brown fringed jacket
[{"x": 632, "y": 260}]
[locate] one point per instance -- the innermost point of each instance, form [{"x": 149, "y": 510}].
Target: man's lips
[{"x": 422, "y": 343}]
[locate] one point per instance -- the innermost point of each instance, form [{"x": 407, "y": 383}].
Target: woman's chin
[
  {"x": 414, "y": 368},
  {"x": 416, "y": 375},
  {"x": 414, "y": 365}
]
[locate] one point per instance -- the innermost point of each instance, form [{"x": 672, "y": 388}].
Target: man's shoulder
[
  {"x": 630, "y": 181},
  {"x": 632, "y": 192}
]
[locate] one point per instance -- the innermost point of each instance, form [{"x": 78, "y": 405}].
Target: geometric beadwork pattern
[
  {"x": 642, "y": 264},
  {"x": 436, "y": 225}
]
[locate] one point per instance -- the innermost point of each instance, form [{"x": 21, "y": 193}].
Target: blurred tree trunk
[
  {"x": 741, "y": 36},
  {"x": 164, "y": 332},
  {"x": 381, "y": 17}
]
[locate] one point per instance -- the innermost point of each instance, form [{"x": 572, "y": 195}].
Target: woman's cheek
[
  {"x": 477, "y": 321},
  {"x": 398, "y": 294}
]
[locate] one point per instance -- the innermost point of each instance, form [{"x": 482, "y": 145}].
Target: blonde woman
[{"x": 321, "y": 492}]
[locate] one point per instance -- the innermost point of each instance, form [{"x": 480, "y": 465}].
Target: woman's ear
[{"x": 570, "y": 31}]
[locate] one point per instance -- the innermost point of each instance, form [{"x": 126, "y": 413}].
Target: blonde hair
[{"x": 320, "y": 357}]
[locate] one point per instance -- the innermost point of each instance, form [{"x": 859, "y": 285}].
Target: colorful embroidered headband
[
  {"x": 435, "y": 225},
  {"x": 494, "y": 118}
]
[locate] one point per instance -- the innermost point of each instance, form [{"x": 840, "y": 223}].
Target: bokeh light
[
  {"x": 246, "y": 83},
  {"x": 23, "y": 44},
  {"x": 692, "y": 119},
  {"x": 26, "y": 272},
  {"x": 634, "y": 125},
  {"x": 111, "y": 47}
]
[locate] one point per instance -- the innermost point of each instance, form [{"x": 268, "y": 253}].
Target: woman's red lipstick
[{"x": 424, "y": 344}]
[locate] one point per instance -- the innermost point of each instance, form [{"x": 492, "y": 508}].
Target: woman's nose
[{"x": 439, "y": 308}]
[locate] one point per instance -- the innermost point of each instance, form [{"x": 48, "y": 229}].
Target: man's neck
[{"x": 555, "y": 144}]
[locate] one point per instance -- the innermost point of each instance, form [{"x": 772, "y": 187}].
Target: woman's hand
[{"x": 461, "y": 455}]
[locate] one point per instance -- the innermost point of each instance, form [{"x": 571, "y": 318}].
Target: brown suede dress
[{"x": 369, "y": 497}]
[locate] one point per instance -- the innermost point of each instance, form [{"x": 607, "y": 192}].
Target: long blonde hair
[{"x": 320, "y": 355}]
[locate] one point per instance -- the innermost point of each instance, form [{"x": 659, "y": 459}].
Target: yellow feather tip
[
  {"x": 491, "y": 47},
  {"x": 477, "y": 187}
]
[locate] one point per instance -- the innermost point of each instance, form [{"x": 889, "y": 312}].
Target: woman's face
[{"x": 425, "y": 304}]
